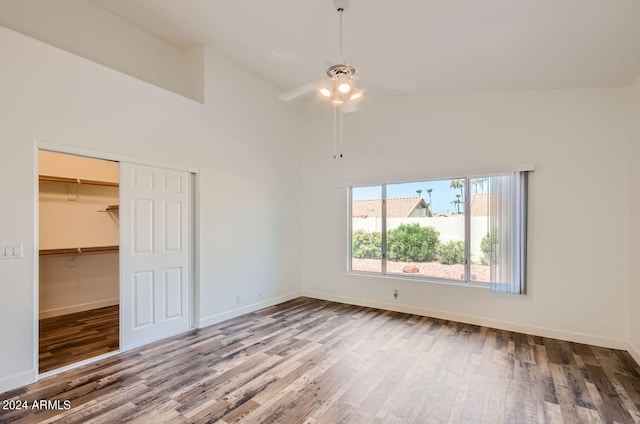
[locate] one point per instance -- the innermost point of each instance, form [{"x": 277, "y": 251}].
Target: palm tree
[
  {"x": 475, "y": 183},
  {"x": 458, "y": 184},
  {"x": 419, "y": 192},
  {"x": 457, "y": 203},
  {"x": 480, "y": 182},
  {"x": 429, "y": 190}
]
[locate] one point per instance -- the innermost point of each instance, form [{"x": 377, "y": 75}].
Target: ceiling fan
[{"x": 340, "y": 88}]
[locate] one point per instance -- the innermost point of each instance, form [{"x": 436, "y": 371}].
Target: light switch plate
[{"x": 11, "y": 251}]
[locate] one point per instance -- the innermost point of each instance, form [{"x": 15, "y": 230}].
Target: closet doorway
[
  {"x": 117, "y": 255},
  {"x": 79, "y": 265}
]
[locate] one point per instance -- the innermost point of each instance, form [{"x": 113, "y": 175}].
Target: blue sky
[{"x": 441, "y": 196}]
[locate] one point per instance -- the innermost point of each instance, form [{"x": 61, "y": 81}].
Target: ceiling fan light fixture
[
  {"x": 357, "y": 95},
  {"x": 325, "y": 92},
  {"x": 344, "y": 87}
]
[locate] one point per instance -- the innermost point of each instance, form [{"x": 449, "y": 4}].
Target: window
[{"x": 464, "y": 229}]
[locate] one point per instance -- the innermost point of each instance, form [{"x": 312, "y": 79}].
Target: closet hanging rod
[
  {"x": 77, "y": 181},
  {"x": 79, "y": 250}
]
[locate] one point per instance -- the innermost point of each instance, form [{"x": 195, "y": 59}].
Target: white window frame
[{"x": 519, "y": 236}]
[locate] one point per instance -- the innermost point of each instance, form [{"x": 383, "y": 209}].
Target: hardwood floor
[
  {"x": 74, "y": 337},
  {"x": 312, "y": 361}
]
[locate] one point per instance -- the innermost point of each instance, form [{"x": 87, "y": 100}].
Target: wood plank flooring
[
  {"x": 311, "y": 361},
  {"x": 74, "y": 337}
]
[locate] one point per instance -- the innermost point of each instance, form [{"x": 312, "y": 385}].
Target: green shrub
[
  {"x": 412, "y": 243},
  {"x": 489, "y": 247},
  {"x": 366, "y": 245},
  {"x": 452, "y": 253}
]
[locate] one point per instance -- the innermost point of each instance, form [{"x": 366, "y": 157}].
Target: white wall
[
  {"x": 77, "y": 223},
  {"x": 579, "y": 142},
  {"x": 244, "y": 142},
  {"x": 194, "y": 77},
  {"x": 252, "y": 223},
  {"x": 82, "y": 28},
  {"x": 74, "y": 283},
  {"x": 634, "y": 281}
]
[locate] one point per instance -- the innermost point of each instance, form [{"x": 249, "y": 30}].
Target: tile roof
[
  {"x": 484, "y": 204},
  {"x": 398, "y": 207},
  {"x": 401, "y": 207}
]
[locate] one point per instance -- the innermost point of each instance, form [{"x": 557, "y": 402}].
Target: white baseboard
[
  {"x": 17, "y": 380},
  {"x": 223, "y": 316},
  {"x": 485, "y": 322},
  {"x": 634, "y": 352},
  {"x": 78, "y": 308}
]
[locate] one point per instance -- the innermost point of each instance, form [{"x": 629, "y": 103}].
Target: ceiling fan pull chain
[
  {"x": 335, "y": 131},
  {"x": 341, "y": 116}
]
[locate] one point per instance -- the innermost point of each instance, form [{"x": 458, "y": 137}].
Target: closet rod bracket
[{"x": 71, "y": 193}]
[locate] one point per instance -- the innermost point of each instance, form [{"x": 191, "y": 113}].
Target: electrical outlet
[
  {"x": 238, "y": 300},
  {"x": 395, "y": 294}
]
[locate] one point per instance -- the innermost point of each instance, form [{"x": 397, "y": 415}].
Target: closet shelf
[
  {"x": 79, "y": 250},
  {"x": 77, "y": 181}
]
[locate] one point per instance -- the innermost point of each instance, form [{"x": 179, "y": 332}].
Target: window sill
[{"x": 474, "y": 284}]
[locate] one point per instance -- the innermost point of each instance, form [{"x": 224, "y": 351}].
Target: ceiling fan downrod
[
  {"x": 336, "y": 73},
  {"x": 341, "y": 6}
]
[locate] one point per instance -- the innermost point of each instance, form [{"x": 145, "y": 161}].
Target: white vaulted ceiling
[
  {"x": 447, "y": 46},
  {"x": 403, "y": 46}
]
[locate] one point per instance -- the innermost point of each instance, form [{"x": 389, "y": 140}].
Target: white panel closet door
[{"x": 154, "y": 254}]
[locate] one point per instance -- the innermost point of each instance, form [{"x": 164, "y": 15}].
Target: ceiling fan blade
[
  {"x": 301, "y": 92},
  {"x": 401, "y": 85},
  {"x": 288, "y": 56},
  {"x": 349, "y": 107}
]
